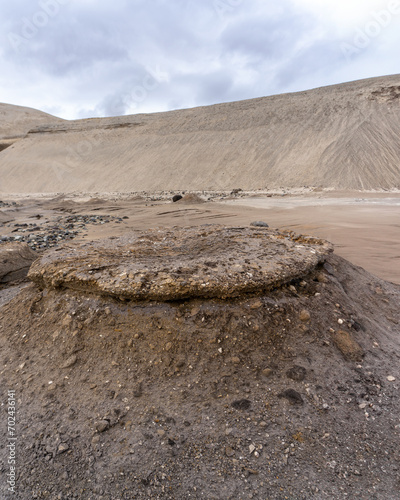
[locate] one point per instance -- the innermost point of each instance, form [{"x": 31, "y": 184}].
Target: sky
[{"x": 87, "y": 58}]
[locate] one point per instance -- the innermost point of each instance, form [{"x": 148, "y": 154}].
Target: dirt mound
[
  {"x": 15, "y": 261},
  {"x": 179, "y": 263},
  {"x": 290, "y": 392}
]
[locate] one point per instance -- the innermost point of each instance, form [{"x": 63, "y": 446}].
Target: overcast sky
[{"x": 83, "y": 58}]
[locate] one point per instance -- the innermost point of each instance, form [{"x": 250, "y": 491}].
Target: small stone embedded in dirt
[
  {"x": 256, "y": 304},
  {"x": 322, "y": 278},
  {"x": 350, "y": 349},
  {"x": 63, "y": 448},
  {"x": 297, "y": 373},
  {"x": 70, "y": 361},
  {"x": 235, "y": 360},
  {"x": 292, "y": 396},
  {"x": 102, "y": 426},
  {"x": 391, "y": 378},
  {"x": 305, "y": 316},
  {"x": 176, "y": 198},
  {"x": 138, "y": 390},
  {"x": 241, "y": 404},
  {"x": 268, "y": 372},
  {"x": 229, "y": 452}
]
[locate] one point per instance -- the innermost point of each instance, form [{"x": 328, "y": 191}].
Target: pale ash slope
[
  {"x": 16, "y": 121},
  {"x": 343, "y": 136}
]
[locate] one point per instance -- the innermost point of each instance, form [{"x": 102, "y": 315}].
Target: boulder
[{"x": 15, "y": 260}]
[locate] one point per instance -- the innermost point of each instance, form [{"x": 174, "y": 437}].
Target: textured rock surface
[
  {"x": 179, "y": 263},
  {"x": 15, "y": 259}
]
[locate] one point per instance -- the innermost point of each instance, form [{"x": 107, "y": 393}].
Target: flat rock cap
[{"x": 178, "y": 263}]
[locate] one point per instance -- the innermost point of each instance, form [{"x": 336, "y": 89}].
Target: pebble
[
  {"x": 229, "y": 452},
  {"x": 305, "y": 316},
  {"x": 63, "y": 448},
  {"x": 268, "y": 372},
  {"x": 292, "y": 396},
  {"x": 70, "y": 361},
  {"x": 241, "y": 404},
  {"x": 101, "y": 426},
  {"x": 235, "y": 360},
  {"x": 297, "y": 373},
  {"x": 391, "y": 378}
]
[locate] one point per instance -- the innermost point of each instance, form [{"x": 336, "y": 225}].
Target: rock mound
[
  {"x": 174, "y": 264},
  {"x": 192, "y": 198}
]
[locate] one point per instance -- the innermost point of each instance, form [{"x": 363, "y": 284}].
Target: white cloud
[{"x": 92, "y": 58}]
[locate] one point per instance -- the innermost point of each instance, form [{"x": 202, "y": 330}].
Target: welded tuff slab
[{"x": 179, "y": 263}]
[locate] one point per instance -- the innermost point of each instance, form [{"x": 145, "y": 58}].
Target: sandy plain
[{"x": 363, "y": 226}]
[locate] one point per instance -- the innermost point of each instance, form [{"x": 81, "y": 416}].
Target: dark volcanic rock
[{"x": 259, "y": 223}]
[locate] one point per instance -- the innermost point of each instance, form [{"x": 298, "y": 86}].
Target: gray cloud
[{"x": 94, "y": 58}]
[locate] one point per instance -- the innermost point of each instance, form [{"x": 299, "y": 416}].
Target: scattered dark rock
[
  {"x": 70, "y": 361},
  {"x": 292, "y": 396},
  {"x": 177, "y": 197},
  {"x": 297, "y": 373},
  {"x": 241, "y": 404},
  {"x": 259, "y": 223},
  {"x": 50, "y": 234},
  {"x": 138, "y": 390},
  {"x": 102, "y": 426}
]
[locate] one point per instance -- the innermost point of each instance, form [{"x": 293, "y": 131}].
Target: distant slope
[
  {"x": 16, "y": 121},
  {"x": 344, "y": 136}
]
